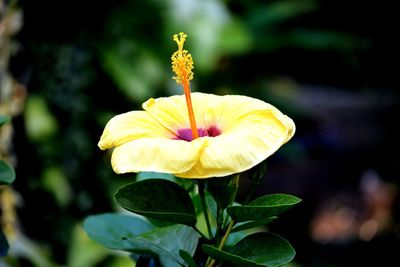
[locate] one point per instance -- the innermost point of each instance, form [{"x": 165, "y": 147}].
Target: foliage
[{"x": 181, "y": 242}]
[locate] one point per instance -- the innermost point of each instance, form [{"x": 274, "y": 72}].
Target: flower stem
[
  {"x": 219, "y": 220},
  {"x": 232, "y": 222},
  {"x": 204, "y": 207}
]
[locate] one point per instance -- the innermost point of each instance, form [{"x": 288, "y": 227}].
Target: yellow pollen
[
  {"x": 182, "y": 65},
  {"x": 182, "y": 61}
]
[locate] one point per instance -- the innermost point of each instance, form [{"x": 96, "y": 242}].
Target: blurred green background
[{"x": 329, "y": 65}]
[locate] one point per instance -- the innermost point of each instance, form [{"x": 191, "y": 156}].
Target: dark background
[{"x": 332, "y": 66}]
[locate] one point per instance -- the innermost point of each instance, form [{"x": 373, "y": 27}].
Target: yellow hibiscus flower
[
  {"x": 235, "y": 134},
  {"x": 232, "y": 133}
]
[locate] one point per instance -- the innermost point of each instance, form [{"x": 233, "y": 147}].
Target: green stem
[
  {"x": 223, "y": 241},
  {"x": 236, "y": 185},
  {"x": 228, "y": 231},
  {"x": 204, "y": 207},
  {"x": 231, "y": 224},
  {"x": 219, "y": 223}
]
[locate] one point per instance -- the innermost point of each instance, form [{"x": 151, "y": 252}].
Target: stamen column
[{"x": 182, "y": 65}]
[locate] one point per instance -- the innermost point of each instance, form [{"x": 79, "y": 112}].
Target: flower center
[
  {"x": 182, "y": 65},
  {"x": 186, "y": 133}
]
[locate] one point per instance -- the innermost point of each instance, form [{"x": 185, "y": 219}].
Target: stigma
[{"x": 182, "y": 61}]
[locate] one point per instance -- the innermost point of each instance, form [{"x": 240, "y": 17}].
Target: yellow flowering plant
[{"x": 190, "y": 152}]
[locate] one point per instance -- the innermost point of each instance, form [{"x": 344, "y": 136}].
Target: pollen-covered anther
[{"x": 182, "y": 61}]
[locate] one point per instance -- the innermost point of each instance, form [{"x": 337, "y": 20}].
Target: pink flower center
[{"x": 186, "y": 133}]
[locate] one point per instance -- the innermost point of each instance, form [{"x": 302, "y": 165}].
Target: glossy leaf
[
  {"x": 252, "y": 224},
  {"x": 112, "y": 230},
  {"x": 263, "y": 207},
  {"x": 187, "y": 184},
  {"x": 260, "y": 249},
  {"x": 7, "y": 173},
  {"x": 135, "y": 235},
  {"x": 188, "y": 258},
  {"x": 258, "y": 173},
  {"x": 154, "y": 175},
  {"x": 226, "y": 256},
  {"x": 158, "y": 199},
  {"x": 221, "y": 190},
  {"x": 235, "y": 237},
  {"x": 166, "y": 242}
]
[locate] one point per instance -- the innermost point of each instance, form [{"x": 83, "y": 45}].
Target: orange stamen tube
[
  {"x": 193, "y": 126},
  {"x": 182, "y": 65}
]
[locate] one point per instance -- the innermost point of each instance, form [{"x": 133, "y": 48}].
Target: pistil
[{"x": 182, "y": 65}]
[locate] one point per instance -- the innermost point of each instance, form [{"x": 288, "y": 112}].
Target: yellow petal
[
  {"x": 209, "y": 109},
  {"x": 226, "y": 110},
  {"x": 249, "y": 139},
  {"x": 157, "y": 155},
  {"x": 171, "y": 112},
  {"x": 130, "y": 126}
]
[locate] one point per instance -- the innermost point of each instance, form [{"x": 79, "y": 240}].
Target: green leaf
[
  {"x": 158, "y": 199},
  {"x": 112, "y": 230},
  {"x": 253, "y": 224},
  {"x": 187, "y": 184},
  {"x": 4, "y": 119},
  {"x": 7, "y": 173},
  {"x": 263, "y": 207},
  {"x": 3, "y": 244},
  {"x": 259, "y": 249},
  {"x": 154, "y": 175},
  {"x": 166, "y": 242},
  {"x": 226, "y": 256},
  {"x": 135, "y": 235},
  {"x": 188, "y": 259},
  {"x": 258, "y": 173},
  {"x": 265, "y": 248},
  {"x": 221, "y": 190}
]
